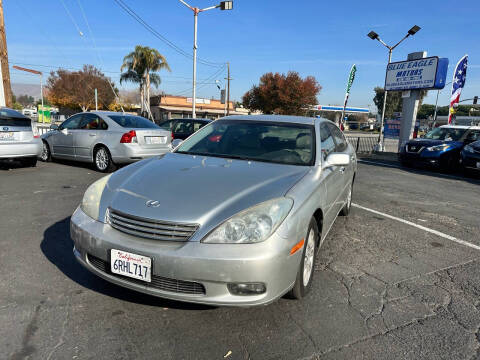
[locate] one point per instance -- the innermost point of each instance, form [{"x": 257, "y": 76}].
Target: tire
[
  {"x": 46, "y": 154},
  {"x": 102, "y": 160},
  {"x": 302, "y": 285},
  {"x": 348, "y": 204},
  {"x": 30, "y": 162}
]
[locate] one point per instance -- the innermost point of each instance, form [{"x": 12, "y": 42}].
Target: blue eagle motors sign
[{"x": 426, "y": 73}]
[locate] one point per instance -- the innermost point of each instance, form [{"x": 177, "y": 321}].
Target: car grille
[
  {"x": 149, "y": 228},
  {"x": 414, "y": 148},
  {"x": 158, "y": 282}
]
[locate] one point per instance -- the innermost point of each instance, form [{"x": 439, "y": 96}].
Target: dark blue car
[
  {"x": 440, "y": 147},
  {"x": 471, "y": 156}
]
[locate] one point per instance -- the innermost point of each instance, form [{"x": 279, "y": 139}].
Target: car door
[
  {"x": 182, "y": 128},
  {"x": 62, "y": 142},
  {"x": 85, "y": 137},
  {"x": 341, "y": 146},
  {"x": 332, "y": 177}
]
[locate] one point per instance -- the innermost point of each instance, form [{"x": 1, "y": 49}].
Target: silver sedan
[
  {"x": 105, "y": 139},
  {"x": 234, "y": 216}
]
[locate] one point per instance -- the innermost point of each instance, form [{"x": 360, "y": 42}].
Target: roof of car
[
  {"x": 276, "y": 118},
  {"x": 461, "y": 127},
  {"x": 99, "y": 112},
  {"x": 7, "y": 112}
]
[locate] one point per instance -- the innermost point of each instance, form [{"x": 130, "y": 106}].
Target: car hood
[
  {"x": 197, "y": 189},
  {"x": 431, "y": 142}
]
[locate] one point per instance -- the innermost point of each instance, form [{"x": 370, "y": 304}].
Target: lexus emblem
[
  {"x": 152, "y": 203},
  {"x": 5, "y": 128}
]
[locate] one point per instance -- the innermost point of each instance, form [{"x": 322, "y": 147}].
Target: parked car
[
  {"x": 440, "y": 147},
  {"x": 19, "y": 138},
  {"x": 271, "y": 188},
  {"x": 183, "y": 128},
  {"x": 471, "y": 156},
  {"x": 105, "y": 139}
]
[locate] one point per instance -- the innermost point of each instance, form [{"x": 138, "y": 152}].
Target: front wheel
[
  {"x": 46, "y": 155},
  {"x": 102, "y": 160},
  {"x": 348, "y": 202},
  {"x": 303, "y": 283}
]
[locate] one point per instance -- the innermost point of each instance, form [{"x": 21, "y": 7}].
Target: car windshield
[
  {"x": 448, "y": 134},
  {"x": 283, "y": 143},
  {"x": 133, "y": 122},
  {"x": 14, "y": 121}
]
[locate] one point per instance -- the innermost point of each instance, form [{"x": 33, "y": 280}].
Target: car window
[
  {"x": 92, "y": 122},
  {"x": 72, "y": 123},
  {"x": 327, "y": 142},
  {"x": 14, "y": 121},
  {"x": 183, "y": 127},
  {"x": 341, "y": 143},
  {"x": 167, "y": 125},
  {"x": 473, "y": 135},
  {"x": 447, "y": 134},
  {"x": 133, "y": 122},
  {"x": 282, "y": 143},
  {"x": 197, "y": 125}
]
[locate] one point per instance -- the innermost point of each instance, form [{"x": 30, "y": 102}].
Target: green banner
[{"x": 351, "y": 78}]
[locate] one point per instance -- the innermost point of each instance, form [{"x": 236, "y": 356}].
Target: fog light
[{"x": 247, "y": 288}]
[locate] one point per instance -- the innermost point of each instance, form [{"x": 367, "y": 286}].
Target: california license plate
[
  {"x": 6, "y": 135},
  {"x": 131, "y": 265},
  {"x": 155, "y": 139}
]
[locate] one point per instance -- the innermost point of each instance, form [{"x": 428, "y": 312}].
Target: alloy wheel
[
  {"x": 101, "y": 159},
  {"x": 309, "y": 257}
]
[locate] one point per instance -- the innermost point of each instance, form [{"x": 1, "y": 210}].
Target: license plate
[
  {"x": 6, "y": 135},
  {"x": 478, "y": 165},
  {"x": 155, "y": 139},
  {"x": 131, "y": 265}
]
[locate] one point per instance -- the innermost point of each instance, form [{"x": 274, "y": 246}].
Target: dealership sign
[{"x": 426, "y": 73}]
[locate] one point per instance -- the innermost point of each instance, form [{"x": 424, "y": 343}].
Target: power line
[
  {"x": 142, "y": 22},
  {"x": 206, "y": 81}
]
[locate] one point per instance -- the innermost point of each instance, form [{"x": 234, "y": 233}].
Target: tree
[
  {"x": 282, "y": 94},
  {"x": 141, "y": 67},
  {"x": 77, "y": 89},
  {"x": 394, "y": 101},
  {"x": 25, "y": 100}
]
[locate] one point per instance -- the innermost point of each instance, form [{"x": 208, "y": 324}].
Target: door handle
[{"x": 92, "y": 134}]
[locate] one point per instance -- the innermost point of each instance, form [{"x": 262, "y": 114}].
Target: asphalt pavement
[{"x": 397, "y": 279}]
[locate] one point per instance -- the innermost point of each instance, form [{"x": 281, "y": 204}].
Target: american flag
[{"x": 459, "y": 76}]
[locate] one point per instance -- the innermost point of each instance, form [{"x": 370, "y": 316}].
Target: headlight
[
  {"x": 442, "y": 147},
  {"x": 91, "y": 200},
  {"x": 469, "y": 149},
  {"x": 253, "y": 225}
]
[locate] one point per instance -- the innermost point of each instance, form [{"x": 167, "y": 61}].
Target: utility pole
[
  {"x": 7, "y": 89},
  {"x": 96, "y": 100},
  {"x": 228, "y": 78}
]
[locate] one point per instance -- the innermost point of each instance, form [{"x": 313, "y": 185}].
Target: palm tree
[{"x": 142, "y": 66}]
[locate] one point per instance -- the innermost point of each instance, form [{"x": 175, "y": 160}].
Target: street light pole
[
  {"x": 224, "y": 5},
  {"x": 374, "y": 36}
]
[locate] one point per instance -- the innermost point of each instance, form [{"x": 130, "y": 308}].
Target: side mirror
[
  {"x": 337, "y": 159},
  {"x": 176, "y": 142},
  {"x": 54, "y": 127}
]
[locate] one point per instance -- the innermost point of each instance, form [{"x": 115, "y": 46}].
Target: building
[{"x": 164, "y": 107}]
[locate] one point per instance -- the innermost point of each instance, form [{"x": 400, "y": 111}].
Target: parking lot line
[{"x": 424, "y": 228}]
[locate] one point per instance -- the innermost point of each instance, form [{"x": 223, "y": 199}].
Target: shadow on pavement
[
  {"x": 12, "y": 164},
  {"x": 471, "y": 178},
  {"x": 57, "y": 247}
]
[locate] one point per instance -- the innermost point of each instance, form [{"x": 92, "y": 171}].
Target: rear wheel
[
  {"x": 103, "y": 160},
  {"x": 303, "y": 283},
  {"x": 46, "y": 155}
]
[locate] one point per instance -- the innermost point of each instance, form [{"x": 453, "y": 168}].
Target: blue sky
[{"x": 312, "y": 37}]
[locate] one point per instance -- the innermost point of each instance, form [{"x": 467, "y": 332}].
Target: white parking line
[{"x": 432, "y": 231}]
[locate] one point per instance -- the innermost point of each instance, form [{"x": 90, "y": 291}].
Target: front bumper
[
  {"x": 19, "y": 150},
  {"x": 211, "y": 265},
  {"x": 423, "y": 158},
  {"x": 127, "y": 153}
]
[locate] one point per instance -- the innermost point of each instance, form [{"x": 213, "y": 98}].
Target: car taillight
[
  {"x": 173, "y": 136},
  {"x": 36, "y": 135},
  {"x": 129, "y": 137}
]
